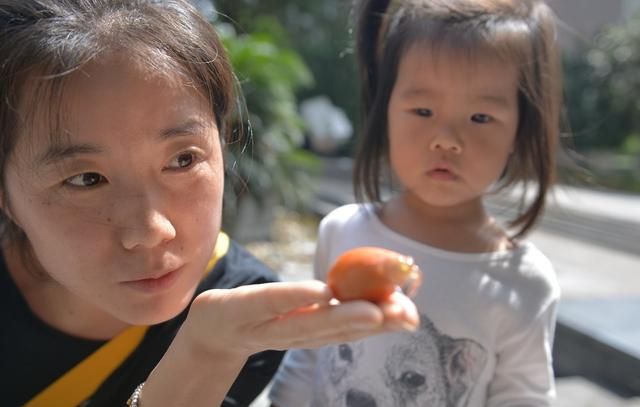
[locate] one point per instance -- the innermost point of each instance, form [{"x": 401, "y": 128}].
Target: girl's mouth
[{"x": 441, "y": 174}]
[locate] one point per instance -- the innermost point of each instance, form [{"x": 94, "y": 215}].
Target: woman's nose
[{"x": 147, "y": 227}]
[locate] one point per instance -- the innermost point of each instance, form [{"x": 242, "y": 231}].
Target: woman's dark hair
[
  {"x": 521, "y": 32},
  {"x": 43, "y": 41}
]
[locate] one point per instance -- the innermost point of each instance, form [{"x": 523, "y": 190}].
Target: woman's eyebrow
[
  {"x": 187, "y": 128},
  {"x": 60, "y": 151}
]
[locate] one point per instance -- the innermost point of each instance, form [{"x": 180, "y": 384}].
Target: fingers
[
  {"x": 360, "y": 315},
  {"x": 269, "y": 300},
  {"x": 332, "y": 339},
  {"x": 272, "y": 300},
  {"x": 400, "y": 312},
  {"x": 298, "y": 315},
  {"x": 343, "y": 322},
  {"x": 319, "y": 326},
  {"x": 286, "y": 297}
]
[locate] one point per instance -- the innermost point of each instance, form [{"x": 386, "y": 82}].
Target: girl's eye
[
  {"x": 182, "y": 160},
  {"x": 423, "y": 112},
  {"x": 85, "y": 180},
  {"x": 481, "y": 118}
]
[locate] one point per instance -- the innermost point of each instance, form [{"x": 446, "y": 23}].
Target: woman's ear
[{"x": 4, "y": 208}]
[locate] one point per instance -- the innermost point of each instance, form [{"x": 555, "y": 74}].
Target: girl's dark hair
[
  {"x": 521, "y": 32},
  {"x": 43, "y": 41}
]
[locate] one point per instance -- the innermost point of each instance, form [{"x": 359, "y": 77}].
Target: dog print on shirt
[{"x": 424, "y": 368}]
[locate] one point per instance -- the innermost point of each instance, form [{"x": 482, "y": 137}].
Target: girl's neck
[
  {"x": 466, "y": 228},
  {"x": 58, "y": 307}
]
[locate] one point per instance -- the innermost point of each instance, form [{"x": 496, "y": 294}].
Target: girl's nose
[
  {"x": 446, "y": 140},
  {"x": 146, "y": 228}
]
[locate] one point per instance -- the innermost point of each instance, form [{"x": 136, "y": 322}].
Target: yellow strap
[
  {"x": 222, "y": 247},
  {"x": 81, "y": 381}
]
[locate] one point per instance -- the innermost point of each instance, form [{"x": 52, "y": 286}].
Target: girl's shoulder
[
  {"x": 349, "y": 216},
  {"x": 522, "y": 274},
  {"x": 532, "y": 262},
  {"x": 528, "y": 271},
  {"x": 348, "y": 211}
]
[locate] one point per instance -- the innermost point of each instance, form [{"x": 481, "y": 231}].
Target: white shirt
[{"x": 487, "y": 326}]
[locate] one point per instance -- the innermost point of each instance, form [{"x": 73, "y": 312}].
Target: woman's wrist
[
  {"x": 134, "y": 400},
  {"x": 189, "y": 374},
  {"x": 209, "y": 329}
]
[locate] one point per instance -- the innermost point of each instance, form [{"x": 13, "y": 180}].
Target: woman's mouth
[{"x": 153, "y": 285}]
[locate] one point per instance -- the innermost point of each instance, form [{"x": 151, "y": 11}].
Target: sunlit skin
[
  {"x": 452, "y": 125},
  {"x": 124, "y": 213}
]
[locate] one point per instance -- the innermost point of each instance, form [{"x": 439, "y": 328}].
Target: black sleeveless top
[{"x": 33, "y": 354}]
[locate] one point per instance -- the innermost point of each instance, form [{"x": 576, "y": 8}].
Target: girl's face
[
  {"x": 452, "y": 124},
  {"x": 124, "y": 210}
]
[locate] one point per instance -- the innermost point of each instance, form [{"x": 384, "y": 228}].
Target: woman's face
[{"x": 123, "y": 207}]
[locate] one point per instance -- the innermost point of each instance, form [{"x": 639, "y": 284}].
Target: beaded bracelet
[{"x": 134, "y": 400}]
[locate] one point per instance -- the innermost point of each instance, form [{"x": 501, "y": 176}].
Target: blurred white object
[{"x": 328, "y": 125}]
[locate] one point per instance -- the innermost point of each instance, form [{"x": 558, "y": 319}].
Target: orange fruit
[{"x": 372, "y": 274}]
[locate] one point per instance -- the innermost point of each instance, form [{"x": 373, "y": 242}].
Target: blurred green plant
[
  {"x": 602, "y": 88},
  {"x": 318, "y": 31},
  {"x": 267, "y": 164},
  {"x": 602, "y": 85}
]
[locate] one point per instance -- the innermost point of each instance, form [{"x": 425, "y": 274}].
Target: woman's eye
[
  {"x": 481, "y": 118},
  {"x": 183, "y": 160},
  {"x": 423, "y": 112},
  {"x": 85, "y": 180}
]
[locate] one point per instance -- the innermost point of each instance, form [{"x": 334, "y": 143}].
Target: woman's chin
[{"x": 155, "y": 312}]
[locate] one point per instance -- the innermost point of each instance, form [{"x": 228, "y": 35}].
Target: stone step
[
  {"x": 579, "y": 392},
  {"x": 600, "y": 339},
  {"x": 572, "y": 392}
]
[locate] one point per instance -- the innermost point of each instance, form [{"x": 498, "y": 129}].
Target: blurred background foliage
[
  {"x": 285, "y": 51},
  {"x": 319, "y": 31},
  {"x": 282, "y": 52},
  {"x": 266, "y": 165},
  {"x": 602, "y": 82}
]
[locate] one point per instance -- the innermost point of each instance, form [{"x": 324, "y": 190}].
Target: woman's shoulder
[{"x": 236, "y": 268}]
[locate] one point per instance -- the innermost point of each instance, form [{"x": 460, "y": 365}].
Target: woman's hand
[
  {"x": 224, "y": 327},
  {"x": 249, "y": 319}
]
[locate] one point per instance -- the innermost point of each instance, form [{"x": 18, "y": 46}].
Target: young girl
[
  {"x": 461, "y": 98},
  {"x": 113, "y": 115}
]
